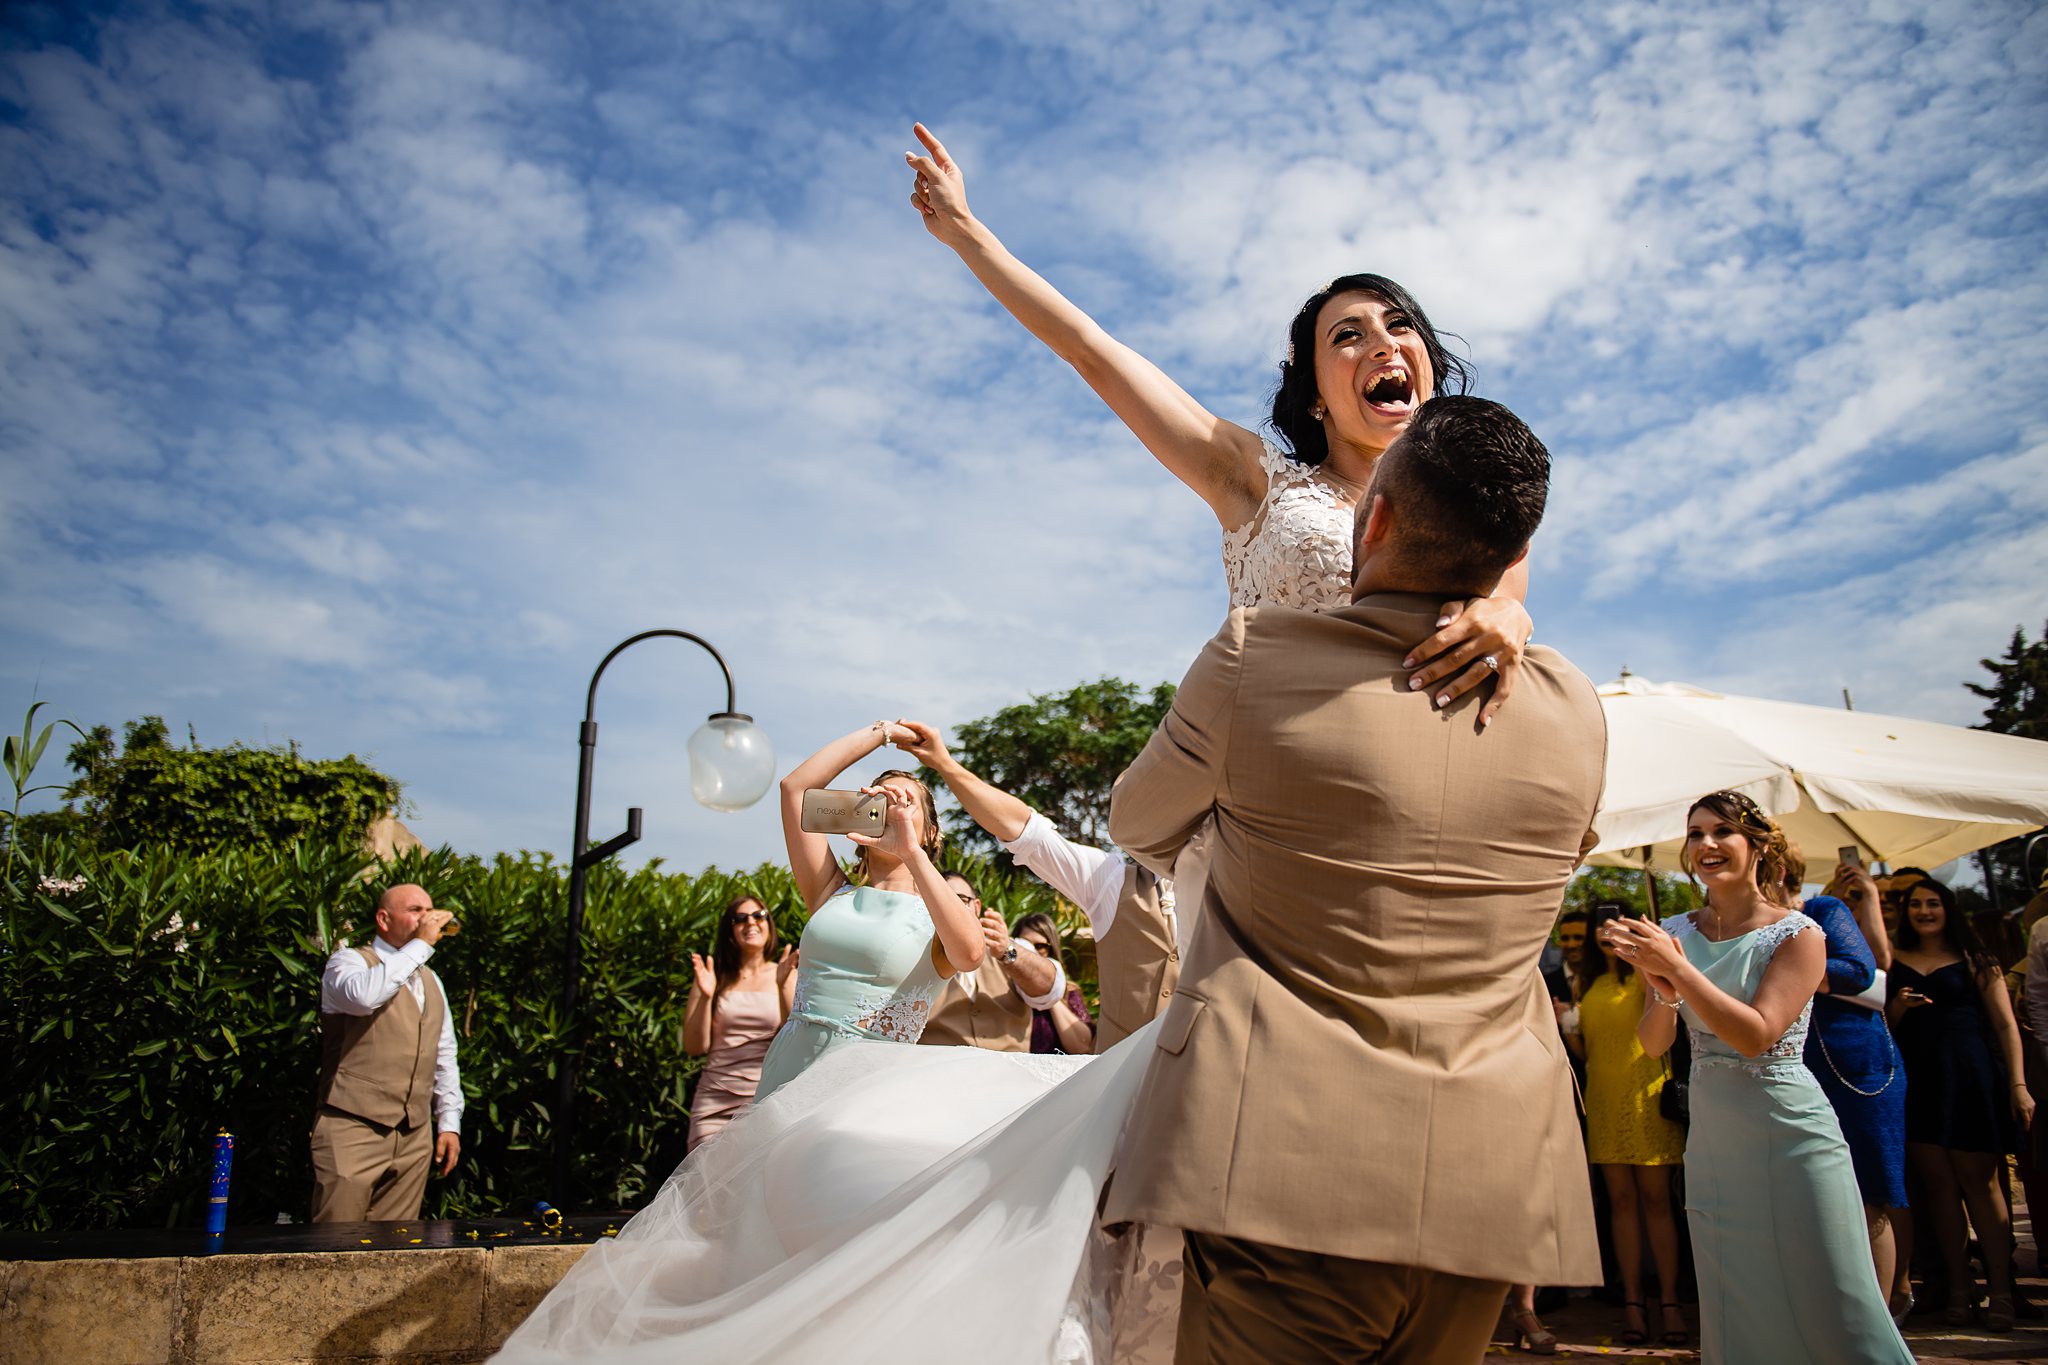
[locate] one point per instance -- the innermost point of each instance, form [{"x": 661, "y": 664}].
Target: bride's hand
[
  {"x": 1496, "y": 628},
  {"x": 940, "y": 190},
  {"x": 897, "y": 838}
]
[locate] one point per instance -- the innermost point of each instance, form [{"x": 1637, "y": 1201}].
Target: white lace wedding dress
[{"x": 904, "y": 1204}]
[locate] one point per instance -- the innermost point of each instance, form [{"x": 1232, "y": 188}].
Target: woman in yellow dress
[{"x": 1628, "y": 1137}]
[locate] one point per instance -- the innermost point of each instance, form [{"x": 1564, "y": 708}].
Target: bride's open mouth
[{"x": 1391, "y": 391}]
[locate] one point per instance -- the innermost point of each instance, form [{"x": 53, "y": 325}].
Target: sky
[{"x": 368, "y": 370}]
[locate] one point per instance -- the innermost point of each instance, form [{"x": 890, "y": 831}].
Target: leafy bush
[{"x": 156, "y": 996}]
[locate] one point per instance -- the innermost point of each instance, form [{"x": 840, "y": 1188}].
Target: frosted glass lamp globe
[{"x": 731, "y": 762}]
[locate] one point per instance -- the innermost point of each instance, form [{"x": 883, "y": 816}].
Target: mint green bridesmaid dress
[
  {"x": 865, "y": 969},
  {"x": 1778, "y": 1234}
]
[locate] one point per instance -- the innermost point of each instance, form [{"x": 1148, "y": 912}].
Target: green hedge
[{"x": 166, "y": 995}]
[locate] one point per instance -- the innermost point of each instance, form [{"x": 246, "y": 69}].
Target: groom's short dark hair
[{"x": 1467, "y": 481}]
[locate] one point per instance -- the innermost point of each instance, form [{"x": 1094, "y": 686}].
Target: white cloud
[{"x": 370, "y": 402}]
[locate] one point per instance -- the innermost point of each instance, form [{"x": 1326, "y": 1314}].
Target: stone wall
[{"x": 424, "y": 1307}]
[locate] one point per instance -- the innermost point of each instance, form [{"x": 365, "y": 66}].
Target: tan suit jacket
[
  {"x": 1361, "y": 1060},
  {"x": 994, "y": 1017}
]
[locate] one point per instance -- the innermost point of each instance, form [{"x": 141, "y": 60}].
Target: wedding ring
[{"x": 1491, "y": 663}]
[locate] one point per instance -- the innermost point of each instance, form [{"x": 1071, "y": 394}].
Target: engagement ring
[{"x": 1491, "y": 663}]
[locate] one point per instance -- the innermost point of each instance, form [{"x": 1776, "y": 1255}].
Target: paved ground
[{"x": 1588, "y": 1328}]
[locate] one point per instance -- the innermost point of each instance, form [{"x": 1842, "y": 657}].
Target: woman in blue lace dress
[
  {"x": 1777, "y": 1223},
  {"x": 1850, "y": 1052}
]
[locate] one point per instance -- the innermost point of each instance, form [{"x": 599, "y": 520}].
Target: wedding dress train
[{"x": 891, "y": 1203}]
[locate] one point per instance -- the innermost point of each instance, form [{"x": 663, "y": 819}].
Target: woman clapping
[{"x": 1771, "y": 1196}]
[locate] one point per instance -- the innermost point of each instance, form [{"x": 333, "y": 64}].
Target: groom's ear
[{"x": 1375, "y": 526}]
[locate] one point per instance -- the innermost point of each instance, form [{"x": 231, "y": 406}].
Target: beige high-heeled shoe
[{"x": 1530, "y": 1334}]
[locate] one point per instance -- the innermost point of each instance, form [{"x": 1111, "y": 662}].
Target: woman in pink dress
[{"x": 740, "y": 999}]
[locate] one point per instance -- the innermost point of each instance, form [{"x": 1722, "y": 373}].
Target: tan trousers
[
  {"x": 363, "y": 1172},
  {"x": 1244, "y": 1301}
]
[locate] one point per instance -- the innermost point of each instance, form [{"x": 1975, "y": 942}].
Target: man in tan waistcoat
[
  {"x": 387, "y": 1069},
  {"x": 1359, "y": 1110},
  {"x": 991, "y": 1006},
  {"x": 1130, "y": 911}
]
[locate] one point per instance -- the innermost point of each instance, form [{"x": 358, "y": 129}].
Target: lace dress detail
[
  {"x": 1791, "y": 1046},
  {"x": 1296, "y": 549},
  {"x": 899, "y": 1021}
]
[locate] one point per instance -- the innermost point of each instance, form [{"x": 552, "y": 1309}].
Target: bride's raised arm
[{"x": 1219, "y": 460}]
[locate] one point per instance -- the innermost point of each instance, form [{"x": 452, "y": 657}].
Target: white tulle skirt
[{"x": 895, "y": 1204}]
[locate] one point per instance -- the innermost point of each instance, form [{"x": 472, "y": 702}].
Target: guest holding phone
[
  {"x": 739, "y": 998},
  {"x": 1850, "y": 1052},
  {"x": 1063, "y": 1025},
  {"x": 879, "y": 944},
  {"x": 1966, "y": 1097}
]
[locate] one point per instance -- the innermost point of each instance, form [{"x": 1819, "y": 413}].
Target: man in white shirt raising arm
[
  {"x": 387, "y": 1069},
  {"x": 1129, "y": 910}
]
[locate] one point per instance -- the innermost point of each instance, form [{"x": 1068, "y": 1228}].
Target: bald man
[{"x": 387, "y": 1069}]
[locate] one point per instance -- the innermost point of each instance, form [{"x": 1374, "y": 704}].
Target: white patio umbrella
[{"x": 1909, "y": 792}]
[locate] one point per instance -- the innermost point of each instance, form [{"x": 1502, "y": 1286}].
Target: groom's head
[{"x": 1452, "y": 503}]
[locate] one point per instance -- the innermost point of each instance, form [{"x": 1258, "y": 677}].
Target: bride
[{"x": 874, "y": 1186}]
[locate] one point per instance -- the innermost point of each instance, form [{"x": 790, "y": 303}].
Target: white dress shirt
[
  {"x": 1092, "y": 878},
  {"x": 350, "y": 985}
]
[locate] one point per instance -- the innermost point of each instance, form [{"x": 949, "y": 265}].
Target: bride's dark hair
[
  {"x": 1295, "y": 400},
  {"x": 933, "y": 838}
]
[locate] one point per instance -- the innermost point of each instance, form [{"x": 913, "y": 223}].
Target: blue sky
[{"x": 366, "y": 371}]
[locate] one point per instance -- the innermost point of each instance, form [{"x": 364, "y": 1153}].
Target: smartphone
[
  {"x": 835, "y": 812},
  {"x": 1850, "y": 854}
]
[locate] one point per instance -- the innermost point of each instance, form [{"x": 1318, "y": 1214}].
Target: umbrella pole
[{"x": 1650, "y": 886}]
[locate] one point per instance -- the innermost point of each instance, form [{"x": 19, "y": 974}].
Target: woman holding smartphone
[
  {"x": 1850, "y": 1052},
  {"x": 879, "y": 945},
  {"x": 1777, "y": 1222},
  {"x": 1361, "y": 358},
  {"x": 1966, "y": 1096}
]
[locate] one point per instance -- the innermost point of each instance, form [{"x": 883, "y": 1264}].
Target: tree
[
  {"x": 149, "y": 792},
  {"x": 1060, "y": 752},
  {"x": 2017, "y": 700}
]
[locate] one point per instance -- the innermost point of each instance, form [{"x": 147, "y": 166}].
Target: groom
[{"x": 1359, "y": 1110}]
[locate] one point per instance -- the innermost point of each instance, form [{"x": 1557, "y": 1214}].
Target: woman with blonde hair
[{"x": 1777, "y": 1221}]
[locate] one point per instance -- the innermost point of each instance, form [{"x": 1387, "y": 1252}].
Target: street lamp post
[{"x": 731, "y": 765}]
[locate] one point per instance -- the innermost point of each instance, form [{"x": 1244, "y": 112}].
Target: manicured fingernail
[
  {"x": 1442, "y": 621},
  {"x": 1414, "y": 684},
  {"x": 1443, "y": 699},
  {"x": 1408, "y": 662},
  {"x": 1485, "y": 721}
]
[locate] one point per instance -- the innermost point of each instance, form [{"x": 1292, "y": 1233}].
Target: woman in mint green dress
[
  {"x": 878, "y": 948},
  {"x": 1777, "y": 1222}
]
